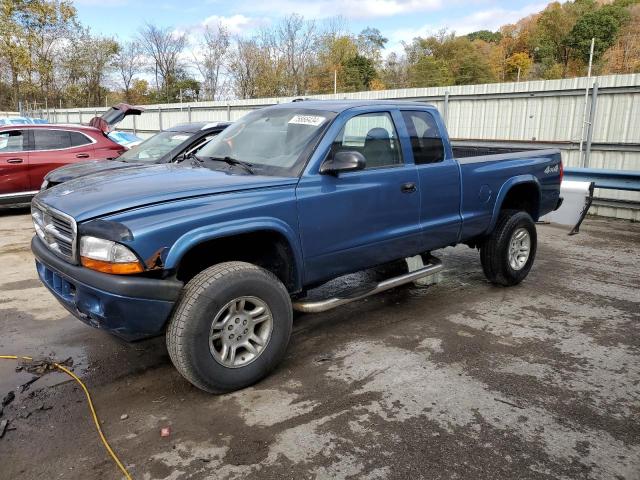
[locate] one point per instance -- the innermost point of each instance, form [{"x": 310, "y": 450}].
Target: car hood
[
  {"x": 113, "y": 191},
  {"x": 80, "y": 169}
]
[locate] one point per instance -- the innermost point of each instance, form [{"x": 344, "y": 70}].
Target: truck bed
[
  {"x": 465, "y": 150},
  {"x": 483, "y": 169}
]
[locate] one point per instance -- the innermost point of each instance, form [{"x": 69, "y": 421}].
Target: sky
[{"x": 397, "y": 19}]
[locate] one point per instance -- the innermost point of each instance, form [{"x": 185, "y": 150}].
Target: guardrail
[{"x": 628, "y": 180}]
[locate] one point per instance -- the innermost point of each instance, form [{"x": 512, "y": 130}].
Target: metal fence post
[
  {"x": 592, "y": 118},
  {"x": 79, "y": 116},
  {"x": 228, "y": 112},
  {"x": 68, "y": 116},
  {"x": 445, "y": 110},
  {"x": 160, "y": 117},
  {"x": 133, "y": 117},
  {"x": 189, "y": 113}
]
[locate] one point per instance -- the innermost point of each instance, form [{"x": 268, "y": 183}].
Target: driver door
[{"x": 359, "y": 219}]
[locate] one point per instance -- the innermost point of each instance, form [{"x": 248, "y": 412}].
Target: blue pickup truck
[{"x": 216, "y": 252}]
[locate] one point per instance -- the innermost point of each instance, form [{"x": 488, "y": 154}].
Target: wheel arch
[
  {"x": 522, "y": 192},
  {"x": 269, "y": 243}
]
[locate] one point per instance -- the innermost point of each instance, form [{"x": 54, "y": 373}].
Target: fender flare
[
  {"x": 236, "y": 227},
  {"x": 506, "y": 188}
]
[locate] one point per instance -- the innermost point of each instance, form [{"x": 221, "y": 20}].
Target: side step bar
[{"x": 348, "y": 296}]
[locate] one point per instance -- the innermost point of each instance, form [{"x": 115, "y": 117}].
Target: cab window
[
  {"x": 373, "y": 135},
  {"x": 426, "y": 143}
]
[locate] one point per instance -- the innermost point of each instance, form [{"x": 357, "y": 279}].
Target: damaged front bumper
[{"x": 129, "y": 307}]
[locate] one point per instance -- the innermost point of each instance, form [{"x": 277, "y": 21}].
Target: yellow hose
[{"x": 91, "y": 408}]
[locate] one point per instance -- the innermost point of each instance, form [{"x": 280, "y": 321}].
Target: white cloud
[{"x": 236, "y": 24}]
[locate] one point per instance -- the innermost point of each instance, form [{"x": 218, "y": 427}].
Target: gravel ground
[{"x": 458, "y": 380}]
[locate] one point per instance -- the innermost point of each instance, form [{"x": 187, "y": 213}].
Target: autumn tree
[
  {"x": 624, "y": 55},
  {"x": 296, "y": 41},
  {"x": 164, "y": 47},
  {"x": 128, "y": 61},
  {"x": 370, "y": 44},
  {"x": 602, "y": 25},
  {"x": 211, "y": 58}
]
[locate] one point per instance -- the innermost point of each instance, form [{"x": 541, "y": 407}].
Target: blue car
[
  {"x": 216, "y": 251},
  {"x": 21, "y": 121},
  {"x": 126, "y": 139}
]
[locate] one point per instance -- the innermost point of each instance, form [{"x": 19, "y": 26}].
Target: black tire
[
  {"x": 494, "y": 252},
  {"x": 190, "y": 325}
]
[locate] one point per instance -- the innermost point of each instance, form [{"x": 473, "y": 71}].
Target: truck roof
[{"x": 338, "y": 106}]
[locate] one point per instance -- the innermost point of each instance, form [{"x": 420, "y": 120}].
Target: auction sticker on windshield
[{"x": 313, "y": 120}]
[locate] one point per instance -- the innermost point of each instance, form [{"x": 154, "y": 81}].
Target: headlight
[{"x": 108, "y": 257}]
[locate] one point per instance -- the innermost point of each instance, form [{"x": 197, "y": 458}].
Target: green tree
[
  {"x": 370, "y": 43},
  {"x": 359, "y": 72},
  {"x": 13, "y": 49},
  {"x": 485, "y": 35},
  {"x": 548, "y": 40},
  {"x": 603, "y": 25},
  {"x": 429, "y": 71}
]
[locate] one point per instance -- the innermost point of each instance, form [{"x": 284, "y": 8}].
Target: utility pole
[{"x": 586, "y": 101}]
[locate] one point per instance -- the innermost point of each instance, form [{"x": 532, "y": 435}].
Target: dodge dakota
[{"x": 216, "y": 252}]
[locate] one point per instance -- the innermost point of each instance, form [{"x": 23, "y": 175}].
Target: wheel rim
[
  {"x": 519, "y": 248},
  {"x": 240, "y": 332}
]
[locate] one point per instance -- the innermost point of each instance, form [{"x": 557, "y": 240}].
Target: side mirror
[
  {"x": 181, "y": 158},
  {"x": 344, "y": 161}
]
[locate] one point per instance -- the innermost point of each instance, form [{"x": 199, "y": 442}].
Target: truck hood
[
  {"x": 81, "y": 169},
  {"x": 113, "y": 191}
]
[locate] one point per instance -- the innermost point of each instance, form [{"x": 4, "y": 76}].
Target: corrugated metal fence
[{"x": 549, "y": 113}]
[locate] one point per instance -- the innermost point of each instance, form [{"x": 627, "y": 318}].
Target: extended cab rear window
[{"x": 424, "y": 134}]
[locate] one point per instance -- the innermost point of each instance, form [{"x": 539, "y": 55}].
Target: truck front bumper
[{"x": 131, "y": 308}]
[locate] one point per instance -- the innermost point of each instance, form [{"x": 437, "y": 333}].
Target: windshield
[
  {"x": 154, "y": 147},
  {"x": 273, "y": 141}
]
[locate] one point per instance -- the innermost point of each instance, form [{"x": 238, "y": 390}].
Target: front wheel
[
  {"x": 230, "y": 328},
  {"x": 507, "y": 254}
]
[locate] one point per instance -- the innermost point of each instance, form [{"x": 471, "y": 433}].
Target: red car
[{"x": 29, "y": 152}]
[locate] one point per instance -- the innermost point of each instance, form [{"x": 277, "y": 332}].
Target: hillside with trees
[{"x": 49, "y": 59}]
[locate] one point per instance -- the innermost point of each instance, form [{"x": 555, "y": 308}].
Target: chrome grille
[{"x": 55, "y": 229}]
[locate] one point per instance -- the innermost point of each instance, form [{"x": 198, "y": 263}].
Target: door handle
[
  {"x": 408, "y": 187},
  {"x": 14, "y": 160},
  {"x": 82, "y": 155}
]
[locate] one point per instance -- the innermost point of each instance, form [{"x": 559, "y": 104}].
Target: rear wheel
[
  {"x": 231, "y": 327},
  {"x": 507, "y": 255}
]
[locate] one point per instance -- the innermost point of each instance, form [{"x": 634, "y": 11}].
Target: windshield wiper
[{"x": 228, "y": 160}]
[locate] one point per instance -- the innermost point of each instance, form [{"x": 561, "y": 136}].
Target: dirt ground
[{"x": 458, "y": 380}]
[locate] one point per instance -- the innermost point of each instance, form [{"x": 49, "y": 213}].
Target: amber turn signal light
[{"x": 113, "y": 268}]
